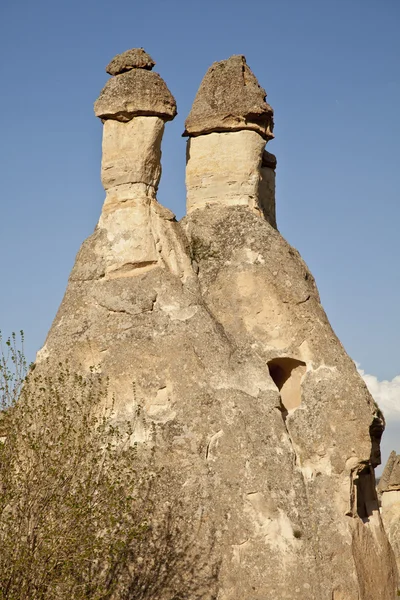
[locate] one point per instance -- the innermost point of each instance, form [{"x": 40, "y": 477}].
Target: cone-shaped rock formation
[{"x": 263, "y": 436}]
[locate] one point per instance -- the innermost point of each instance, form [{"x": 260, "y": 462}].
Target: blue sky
[{"x": 331, "y": 71}]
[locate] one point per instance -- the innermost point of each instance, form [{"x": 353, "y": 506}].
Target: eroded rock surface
[
  {"x": 136, "y": 58},
  {"x": 243, "y": 400},
  {"x": 228, "y": 127},
  {"x": 135, "y": 90},
  {"x": 230, "y": 99}
]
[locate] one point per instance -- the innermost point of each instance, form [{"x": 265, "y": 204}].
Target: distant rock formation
[
  {"x": 262, "y": 433},
  {"x": 389, "y": 492},
  {"x": 390, "y": 480}
]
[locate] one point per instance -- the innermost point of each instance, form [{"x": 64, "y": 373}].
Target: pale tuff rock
[
  {"x": 136, "y": 58},
  {"x": 134, "y": 93},
  {"x": 263, "y": 435},
  {"x": 132, "y": 152},
  {"x": 389, "y": 491},
  {"x": 137, "y": 234},
  {"x": 224, "y": 168},
  {"x": 228, "y": 128},
  {"x": 260, "y": 291},
  {"x": 228, "y": 168},
  {"x": 230, "y": 99}
]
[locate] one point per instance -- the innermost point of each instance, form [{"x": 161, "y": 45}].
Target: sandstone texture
[
  {"x": 227, "y": 168},
  {"x": 132, "y": 152},
  {"x": 261, "y": 433},
  {"x": 230, "y": 99},
  {"x": 136, "y": 58},
  {"x": 134, "y": 231}
]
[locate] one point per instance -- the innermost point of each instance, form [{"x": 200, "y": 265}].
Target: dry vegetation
[{"x": 69, "y": 523}]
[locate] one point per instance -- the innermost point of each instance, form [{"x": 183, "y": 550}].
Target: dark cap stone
[
  {"x": 136, "y": 58},
  {"x": 135, "y": 93},
  {"x": 230, "y": 99}
]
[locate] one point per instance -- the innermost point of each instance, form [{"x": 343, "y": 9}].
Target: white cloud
[{"x": 385, "y": 393}]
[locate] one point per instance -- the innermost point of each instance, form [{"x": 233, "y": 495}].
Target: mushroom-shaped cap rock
[
  {"x": 136, "y": 58},
  {"x": 134, "y": 93},
  {"x": 230, "y": 99}
]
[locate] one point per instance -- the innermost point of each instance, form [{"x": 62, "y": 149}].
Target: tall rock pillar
[
  {"x": 228, "y": 127},
  {"x": 134, "y": 106}
]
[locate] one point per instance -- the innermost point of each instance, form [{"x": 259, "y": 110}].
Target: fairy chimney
[
  {"x": 228, "y": 127},
  {"x": 260, "y": 434},
  {"x": 133, "y": 106}
]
